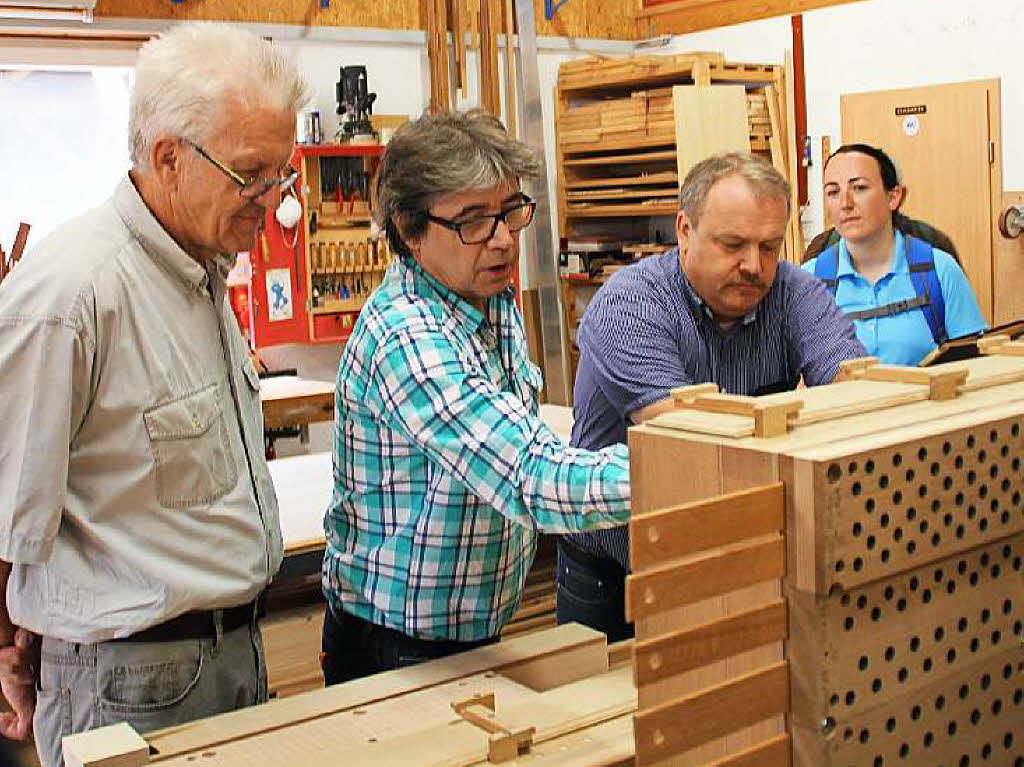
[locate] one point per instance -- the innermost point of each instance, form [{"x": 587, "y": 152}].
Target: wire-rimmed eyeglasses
[{"x": 253, "y": 187}]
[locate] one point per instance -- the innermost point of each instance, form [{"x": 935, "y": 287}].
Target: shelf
[
  {"x": 666, "y": 177},
  {"x": 611, "y": 146},
  {"x": 660, "y": 76},
  {"x": 339, "y": 306},
  {"x": 621, "y": 194},
  {"x": 339, "y": 150},
  {"x": 624, "y": 159},
  {"x": 622, "y": 211},
  {"x": 343, "y": 222}
]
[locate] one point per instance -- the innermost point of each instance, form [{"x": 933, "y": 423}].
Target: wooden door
[{"x": 941, "y": 141}]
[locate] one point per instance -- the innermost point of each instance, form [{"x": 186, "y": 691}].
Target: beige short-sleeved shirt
[{"x": 133, "y": 485}]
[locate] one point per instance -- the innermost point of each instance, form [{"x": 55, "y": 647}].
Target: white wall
[{"x": 886, "y": 44}]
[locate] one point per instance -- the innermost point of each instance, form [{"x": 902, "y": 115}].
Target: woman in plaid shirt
[{"x": 443, "y": 472}]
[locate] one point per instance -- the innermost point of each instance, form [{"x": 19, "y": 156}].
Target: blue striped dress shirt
[{"x": 647, "y": 332}]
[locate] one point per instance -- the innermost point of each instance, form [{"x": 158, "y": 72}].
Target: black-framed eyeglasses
[
  {"x": 253, "y": 187},
  {"x": 479, "y": 229}
]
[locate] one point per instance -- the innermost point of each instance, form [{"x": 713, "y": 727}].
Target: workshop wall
[
  {"x": 886, "y": 44},
  {"x": 602, "y": 19}
]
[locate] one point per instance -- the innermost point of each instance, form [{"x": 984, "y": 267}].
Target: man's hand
[{"x": 19, "y": 665}]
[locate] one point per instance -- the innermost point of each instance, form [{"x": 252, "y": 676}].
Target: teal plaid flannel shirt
[{"x": 443, "y": 471}]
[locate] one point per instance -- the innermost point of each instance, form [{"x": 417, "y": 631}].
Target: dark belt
[
  {"x": 200, "y": 624},
  {"x": 597, "y": 564}
]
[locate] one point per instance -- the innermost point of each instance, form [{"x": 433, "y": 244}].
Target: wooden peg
[{"x": 115, "y": 746}]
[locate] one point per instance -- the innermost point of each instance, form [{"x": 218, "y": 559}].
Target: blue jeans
[
  {"x": 354, "y": 648},
  {"x": 591, "y": 590}
]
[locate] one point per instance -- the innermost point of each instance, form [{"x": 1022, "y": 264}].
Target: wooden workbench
[
  {"x": 294, "y": 401},
  {"x": 553, "y": 696}
]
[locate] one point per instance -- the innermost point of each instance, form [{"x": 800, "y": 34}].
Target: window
[{"x": 63, "y": 144}]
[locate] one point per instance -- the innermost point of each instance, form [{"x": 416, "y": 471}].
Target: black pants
[
  {"x": 591, "y": 590},
  {"x": 354, "y": 648}
]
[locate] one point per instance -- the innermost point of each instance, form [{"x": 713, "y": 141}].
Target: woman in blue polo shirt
[{"x": 904, "y": 295}]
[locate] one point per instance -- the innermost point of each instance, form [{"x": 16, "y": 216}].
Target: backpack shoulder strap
[
  {"x": 826, "y": 268},
  {"x": 921, "y": 262}
]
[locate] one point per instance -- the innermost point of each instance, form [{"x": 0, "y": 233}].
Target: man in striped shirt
[
  {"x": 443, "y": 472},
  {"x": 718, "y": 308}
]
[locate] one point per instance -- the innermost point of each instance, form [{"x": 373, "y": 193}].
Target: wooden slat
[
  {"x": 692, "y": 720},
  {"x": 609, "y": 211},
  {"x": 625, "y": 159},
  {"x": 680, "y": 651},
  {"x": 777, "y": 752},
  {"x": 667, "y": 177},
  {"x": 705, "y": 576},
  {"x": 658, "y": 536}
]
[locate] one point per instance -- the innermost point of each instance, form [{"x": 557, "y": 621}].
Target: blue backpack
[{"x": 922, "y": 273}]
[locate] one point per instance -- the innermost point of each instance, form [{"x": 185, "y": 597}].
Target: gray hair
[
  {"x": 766, "y": 181},
  {"x": 438, "y": 155},
  {"x": 184, "y": 77}
]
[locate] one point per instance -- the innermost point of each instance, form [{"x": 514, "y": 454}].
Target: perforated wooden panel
[
  {"x": 972, "y": 717},
  {"x": 883, "y": 512}
]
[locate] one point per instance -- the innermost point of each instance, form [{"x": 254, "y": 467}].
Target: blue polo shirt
[
  {"x": 647, "y": 331},
  {"x": 904, "y": 339}
]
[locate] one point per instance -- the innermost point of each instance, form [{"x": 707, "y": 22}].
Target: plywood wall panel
[{"x": 604, "y": 19}]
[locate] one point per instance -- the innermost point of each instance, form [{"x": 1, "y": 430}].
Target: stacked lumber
[
  {"x": 645, "y": 113},
  {"x": 599, "y": 72}
]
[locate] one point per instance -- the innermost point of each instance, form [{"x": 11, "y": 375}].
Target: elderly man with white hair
[{"x": 138, "y": 522}]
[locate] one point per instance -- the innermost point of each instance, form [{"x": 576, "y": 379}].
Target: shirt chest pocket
[{"x": 191, "y": 449}]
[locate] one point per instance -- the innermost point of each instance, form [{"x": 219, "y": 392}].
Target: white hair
[{"x": 184, "y": 77}]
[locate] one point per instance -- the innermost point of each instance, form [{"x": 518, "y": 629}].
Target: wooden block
[
  {"x": 1001, "y": 345},
  {"x": 704, "y": 576},
  {"x": 733, "y": 404},
  {"x": 685, "y": 723},
  {"x": 115, "y": 746},
  {"x": 853, "y": 368},
  {"x": 773, "y": 420},
  {"x": 658, "y": 536},
  {"x": 942, "y": 383},
  {"x": 684, "y": 395},
  {"x": 679, "y": 651},
  {"x": 506, "y": 746}
]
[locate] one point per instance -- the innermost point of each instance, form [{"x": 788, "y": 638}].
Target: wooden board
[
  {"x": 565, "y": 648},
  {"x": 292, "y": 401},
  {"x": 660, "y": 536},
  {"x": 709, "y": 120}
]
